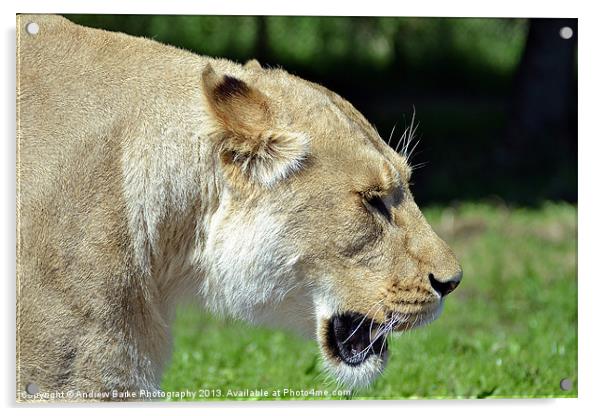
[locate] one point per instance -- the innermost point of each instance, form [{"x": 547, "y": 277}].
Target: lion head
[{"x": 315, "y": 227}]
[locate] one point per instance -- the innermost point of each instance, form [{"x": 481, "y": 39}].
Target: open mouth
[
  {"x": 353, "y": 338},
  {"x": 355, "y": 345}
]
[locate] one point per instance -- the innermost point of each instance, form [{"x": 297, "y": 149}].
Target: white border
[
  {"x": 507, "y": 8},
  {"x": 590, "y": 285}
]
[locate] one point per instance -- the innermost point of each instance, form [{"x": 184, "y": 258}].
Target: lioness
[{"x": 147, "y": 174}]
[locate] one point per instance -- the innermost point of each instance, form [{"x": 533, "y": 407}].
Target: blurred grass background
[{"x": 496, "y": 102}]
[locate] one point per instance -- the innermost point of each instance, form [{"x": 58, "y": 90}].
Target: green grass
[{"x": 510, "y": 329}]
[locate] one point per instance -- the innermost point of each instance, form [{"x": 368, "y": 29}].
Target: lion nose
[{"x": 445, "y": 287}]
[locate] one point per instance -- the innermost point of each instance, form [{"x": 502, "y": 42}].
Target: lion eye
[{"x": 378, "y": 204}]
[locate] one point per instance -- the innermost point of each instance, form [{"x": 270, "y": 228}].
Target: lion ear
[{"x": 250, "y": 144}]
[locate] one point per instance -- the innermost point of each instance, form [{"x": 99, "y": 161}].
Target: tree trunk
[{"x": 542, "y": 124}]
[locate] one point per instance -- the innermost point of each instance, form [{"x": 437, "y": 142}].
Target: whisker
[
  {"x": 362, "y": 321},
  {"x": 402, "y": 140},
  {"x": 391, "y": 135},
  {"x": 403, "y": 145},
  {"x": 415, "y": 320},
  {"x": 370, "y": 330},
  {"x": 384, "y": 329},
  {"x": 365, "y": 350},
  {"x": 398, "y": 143},
  {"x": 418, "y": 165},
  {"x": 411, "y": 136},
  {"x": 381, "y": 348},
  {"x": 411, "y": 152}
]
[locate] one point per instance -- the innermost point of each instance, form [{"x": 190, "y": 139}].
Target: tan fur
[{"x": 146, "y": 173}]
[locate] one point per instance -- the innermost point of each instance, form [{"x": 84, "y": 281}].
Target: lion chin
[{"x": 355, "y": 347}]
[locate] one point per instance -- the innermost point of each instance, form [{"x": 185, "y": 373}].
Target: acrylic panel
[{"x": 221, "y": 208}]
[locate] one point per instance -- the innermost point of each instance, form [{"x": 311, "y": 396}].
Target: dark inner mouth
[{"x": 353, "y": 338}]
